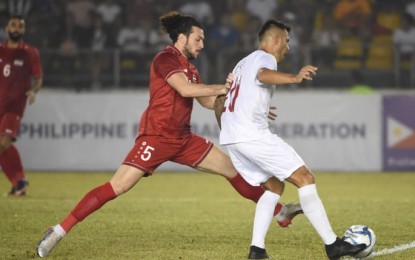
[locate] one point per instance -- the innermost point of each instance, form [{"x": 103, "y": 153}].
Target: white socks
[
  {"x": 59, "y": 230},
  {"x": 314, "y": 210},
  {"x": 263, "y": 217}
]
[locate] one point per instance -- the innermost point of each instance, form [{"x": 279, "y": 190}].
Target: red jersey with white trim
[
  {"x": 17, "y": 67},
  {"x": 168, "y": 113}
]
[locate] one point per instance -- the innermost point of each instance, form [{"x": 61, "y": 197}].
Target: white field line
[{"x": 388, "y": 251}]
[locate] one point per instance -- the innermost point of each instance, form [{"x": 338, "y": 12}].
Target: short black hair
[
  {"x": 272, "y": 23},
  {"x": 175, "y": 23}
]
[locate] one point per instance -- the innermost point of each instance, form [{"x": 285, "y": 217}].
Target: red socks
[
  {"x": 250, "y": 192},
  {"x": 11, "y": 164},
  {"x": 245, "y": 189},
  {"x": 92, "y": 201}
]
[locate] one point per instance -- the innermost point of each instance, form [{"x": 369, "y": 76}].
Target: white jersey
[{"x": 245, "y": 117}]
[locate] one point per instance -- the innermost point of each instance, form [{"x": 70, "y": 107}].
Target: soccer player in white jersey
[{"x": 263, "y": 158}]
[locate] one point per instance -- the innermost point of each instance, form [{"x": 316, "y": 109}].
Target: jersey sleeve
[
  {"x": 166, "y": 64},
  {"x": 36, "y": 66},
  {"x": 264, "y": 61}
]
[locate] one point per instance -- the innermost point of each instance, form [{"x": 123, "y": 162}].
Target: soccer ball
[{"x": 361, "y": 234}]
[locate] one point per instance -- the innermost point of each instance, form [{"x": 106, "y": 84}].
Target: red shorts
[
  {"x": 9, "y": 125},
  {"x": 149, "y": 152}
]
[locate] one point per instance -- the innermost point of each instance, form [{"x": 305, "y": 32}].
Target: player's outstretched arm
[
  {"x": 275, "y": 77},
  {"x": 211, "y": 102},
  {"x": 180, "y": 83}
]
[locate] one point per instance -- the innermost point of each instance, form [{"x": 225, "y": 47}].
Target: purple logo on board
[{"x": 399, "y": 133}]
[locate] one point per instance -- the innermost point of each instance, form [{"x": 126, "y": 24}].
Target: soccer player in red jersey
[
  {"x": 19, "y": 64},
  {"x": 164, "y": 131}
]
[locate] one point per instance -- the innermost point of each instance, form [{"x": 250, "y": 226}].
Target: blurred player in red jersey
[
  {"x": 19, "y": 65},
  {"x": 164, "y": 131}
]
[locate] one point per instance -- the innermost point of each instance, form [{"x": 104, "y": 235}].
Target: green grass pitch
[{"x": 199, "y": 216}]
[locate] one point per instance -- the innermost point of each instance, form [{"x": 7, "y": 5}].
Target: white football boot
[{"x": 48, "y": 242}]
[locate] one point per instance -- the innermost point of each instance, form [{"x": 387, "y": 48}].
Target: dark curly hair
[{"x": 175, "y": 23}]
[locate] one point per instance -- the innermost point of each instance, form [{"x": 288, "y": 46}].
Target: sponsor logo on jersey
[{"x": 18, "y": 62}]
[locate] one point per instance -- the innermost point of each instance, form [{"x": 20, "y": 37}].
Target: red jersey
[
  {"x": 17, "y": 67},
  {"x": 168, "y": 113}
]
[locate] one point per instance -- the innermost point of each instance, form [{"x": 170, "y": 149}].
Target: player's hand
[
  {"x": 306, "y": 73},
  {"x": 218, "y": 108},
  {"x": 229, "y": 80},
  {"x": 31, "y": 96},
  {"x": 271, "y": 114}
]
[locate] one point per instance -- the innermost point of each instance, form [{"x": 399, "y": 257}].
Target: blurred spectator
[
  {"x": 162, "y": 7},
  {"x": 68, "y": 41},
  {"x": 110, "y": 13},
  {"x": 239, "y": 14},
  {"x": 132, "y": 40},
  {"x": 98, "y": 46},
  {"x": 46, "y": 21},
  {"x": 157, "y": 40},
  {"x": 310, "y": 20},
  {"x": 99, "y": 38},
  {"x": 200, "y": 9},
  {"x": 304, "y": 12},
  {"x": 404, "y": 37},
  {"x": 42, "y": 8},
  {"x": 352, "y": 14},
  {"x": 263, "y": 9},
  {"x": 83, "y": 12},
  {"x": 142, "y": 9},
  {"x": 132, "y": 37},
  {"x": 249, "y": 36},
  {"x": 410, "y": 8},
  {"x": 19, "y": 7},
  {"x": 295, "y": 56},
  {"x": 3, "y": 33},
  {"x": 369, "y": 32},
  {"x": 223, "y": 36},
  {"x": 221, "y": 42},
  {"x": 68, "y": 54},
  {"x": 3, "y": 8},
  {"x": 358, "y": 84},
  {"x": 36, "y": 34},
  {"x": 324, "y": 43}
]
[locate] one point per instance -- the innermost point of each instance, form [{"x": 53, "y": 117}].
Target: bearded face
[
  {"x": 16, "y": 29},
  {"x": 194, "y": 43}
]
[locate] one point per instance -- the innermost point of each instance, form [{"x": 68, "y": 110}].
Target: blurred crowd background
[{"x": 94, "y": 45}]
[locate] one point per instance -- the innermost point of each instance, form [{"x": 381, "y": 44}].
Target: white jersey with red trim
[{"x": 245, "y": 116}]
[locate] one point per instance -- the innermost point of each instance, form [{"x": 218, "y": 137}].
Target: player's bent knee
[
  {"x": 309, "y": 179},
  {"x": 274, "y": 185},
  {"x": 301, "y": 177}
]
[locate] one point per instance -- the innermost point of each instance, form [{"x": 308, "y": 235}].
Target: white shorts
[{"x": 259, "y": 160}]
